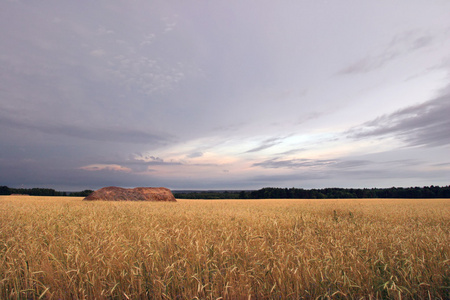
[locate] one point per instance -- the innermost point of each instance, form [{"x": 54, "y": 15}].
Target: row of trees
[
  {"x": 327, "y": 193},
  {"x": 272, "y": 193},
  {"x": 210, "y": 195},
  {"x": 4, "y": 190}
]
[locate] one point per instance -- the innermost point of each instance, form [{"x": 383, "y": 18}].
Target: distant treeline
[
  {"x": 327, "y": 193},
  {"x": 4, "y": 190},
  {"x": 271, "y": 193},
  {"x": 211, "y": 194}
]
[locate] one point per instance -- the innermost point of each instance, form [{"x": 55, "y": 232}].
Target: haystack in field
[{"x": 113, "y": 193}]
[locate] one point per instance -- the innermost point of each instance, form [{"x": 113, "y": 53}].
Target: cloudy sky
[{"x": 224, "y": 94}]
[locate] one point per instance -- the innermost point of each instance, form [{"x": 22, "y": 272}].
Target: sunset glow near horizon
[{"x": 232, "y": 95}]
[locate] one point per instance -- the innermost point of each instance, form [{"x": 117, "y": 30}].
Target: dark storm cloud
[{"x": 424, "y": 124}]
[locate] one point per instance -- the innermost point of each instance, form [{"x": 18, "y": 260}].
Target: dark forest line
[
  {"x": 4, "y": 190},
  {"x": 326, "y": 193},
  {"x": 271, "y": 193}
]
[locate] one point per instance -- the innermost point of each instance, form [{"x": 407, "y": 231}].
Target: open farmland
[{"x": 57, "y": 247}]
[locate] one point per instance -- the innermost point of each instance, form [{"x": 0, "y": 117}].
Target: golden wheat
[{"x": 64, "y": 248}]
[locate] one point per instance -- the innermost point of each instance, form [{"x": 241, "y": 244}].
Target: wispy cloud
[
  {"x": 101, "y": 167},
  {"x": 144, "y": 163},
  {"x": 276, "y": 163},
  {"x": 268, "y": 143},
  {"x": 423, "y": 124},
  {"x": 147, "y": 159},
  {"x": 195, "y": 154},
  {"x": 311, "y": 164},
  {"x": 401, "y": 44}
]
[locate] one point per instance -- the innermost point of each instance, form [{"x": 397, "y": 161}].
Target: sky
[{"x": 224, "y": 94}]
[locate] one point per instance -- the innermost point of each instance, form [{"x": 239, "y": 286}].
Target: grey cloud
[
  {"x": 203, "y": 165},
  {"x": 401, "y": 163},
  {"x": 147, "y": 161},
  {"x": 155, "y": 159},
  {"x": 266, "y": 144},
  {"x": 57, "y": 174},
  {"x": 310, "y": 116},
  {"x": 344, "y": 164},
  {"x": 368, "y": 64},
  {"x": 230, "y": 127},
  {"x": 271, "y": 180},
  {"x": 195, "y": 154},
  {"x": 139, "y": 157},
  {"x": 305, "y": 163},
  {"x": 421, "y": 42},
  {"x": 400, "y": 44},
  {"x": 135, "y": 164},
  {"x": 149, "y": 76},
  {"x": 143, "y": 163},
  {"x": 292, "y": 151},
  {"x": 347, "y": 173},
  {"x": 424, "y": 124},
  {"x": 82, "y": 40},
  {"x": 445, "y": 164},
  {"x": 411, "y": 40},
  {"x": 293, "y": 163},
  {"x": 96, "y": 133}
]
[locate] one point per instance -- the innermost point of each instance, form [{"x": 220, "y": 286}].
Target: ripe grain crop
[{"x": 64, "y": 248}]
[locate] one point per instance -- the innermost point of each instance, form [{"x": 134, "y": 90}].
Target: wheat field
[{"x": 64, "y": 248}]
